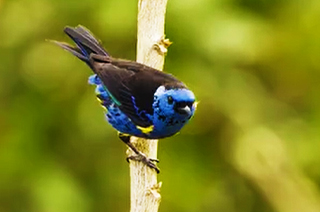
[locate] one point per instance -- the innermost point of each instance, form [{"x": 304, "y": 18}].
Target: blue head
[{"x": 173, "y": 107}]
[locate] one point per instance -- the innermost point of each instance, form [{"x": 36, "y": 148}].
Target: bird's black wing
[{"x": 132, "y": 85}]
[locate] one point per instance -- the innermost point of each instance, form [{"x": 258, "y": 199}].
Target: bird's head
[{"x": 175, "y": 101}]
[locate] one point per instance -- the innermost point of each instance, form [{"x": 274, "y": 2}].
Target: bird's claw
[
  {"x": 138, "y": 155},
  {"x": 137, "y": 158},
  {"x": 148, "y": 161}
]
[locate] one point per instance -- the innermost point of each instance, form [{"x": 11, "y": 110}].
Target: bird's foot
[
  {"x": 144, "y": 159},
  {"x": 139, "y": 156}
]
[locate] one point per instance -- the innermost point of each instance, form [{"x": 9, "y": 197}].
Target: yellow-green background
[{"x": 253, "y": 145}]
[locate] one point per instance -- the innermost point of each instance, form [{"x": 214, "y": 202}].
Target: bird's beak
[{"x": 184, "y": 110}]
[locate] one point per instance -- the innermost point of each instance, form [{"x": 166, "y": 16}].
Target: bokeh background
[{"x": 253, "y": 145}]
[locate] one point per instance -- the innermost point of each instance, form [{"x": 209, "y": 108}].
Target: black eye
[{"x": 170, "y": 100}]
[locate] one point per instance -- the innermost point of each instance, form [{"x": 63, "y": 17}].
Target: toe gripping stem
[{"x": 139, "y": 155}]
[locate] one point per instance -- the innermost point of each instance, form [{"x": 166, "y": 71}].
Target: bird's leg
[{"x": 139, "y": 155}]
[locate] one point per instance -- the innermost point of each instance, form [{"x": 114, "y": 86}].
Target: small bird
[{"x": 139, "y": 100}]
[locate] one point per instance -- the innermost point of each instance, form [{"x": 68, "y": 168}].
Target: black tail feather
[
  {"x": 86, "y": 43},
  {"x": 74, "y": 50}
]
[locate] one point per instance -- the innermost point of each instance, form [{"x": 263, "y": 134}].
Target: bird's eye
[{"x": 170, "y": 100}]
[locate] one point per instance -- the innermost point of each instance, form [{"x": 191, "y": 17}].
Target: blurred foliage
[{"x": 253, "y": 145}]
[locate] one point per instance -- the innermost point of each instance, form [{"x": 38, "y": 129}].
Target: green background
[{"x": 253, "y": 145}]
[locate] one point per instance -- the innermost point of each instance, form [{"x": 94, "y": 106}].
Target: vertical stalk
[{"x": 151, "y": 49}]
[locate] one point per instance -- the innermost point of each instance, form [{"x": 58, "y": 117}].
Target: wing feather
[{"x": 131, "y": 84}]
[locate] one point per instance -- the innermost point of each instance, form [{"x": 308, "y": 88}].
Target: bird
[{"x": 139, "y": 100}]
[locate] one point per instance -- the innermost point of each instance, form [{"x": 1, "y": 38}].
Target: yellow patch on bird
[
  {"x": 196, "y": 104},
  {"x": 176, "y": 133},
  {"x": 146, "y": 130},
  {"x": 123, "y": 134},
  {"x": 101, "y": 103},
  {"x": 104, "y": 108},
  {"x": 99, "y": 100}
]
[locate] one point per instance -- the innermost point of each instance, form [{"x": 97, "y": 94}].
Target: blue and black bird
[{"x": 140, "y": 101}]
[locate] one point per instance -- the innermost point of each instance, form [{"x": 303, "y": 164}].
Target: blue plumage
[
  {"x": 166, "y": 121},
  {"x": 140, "y": 101},
  {"x": 114, "y": 115}
]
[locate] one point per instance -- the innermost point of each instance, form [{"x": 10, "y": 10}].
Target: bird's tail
[{"x": 86, "y": 43}]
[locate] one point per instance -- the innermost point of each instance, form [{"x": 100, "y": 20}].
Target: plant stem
[{"x": 151, "y": 49}]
